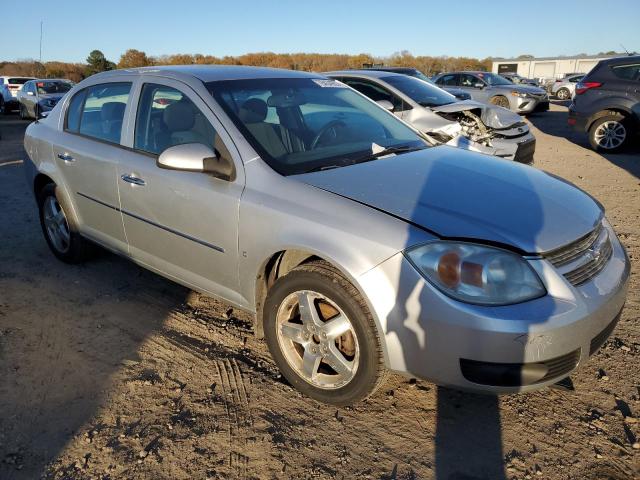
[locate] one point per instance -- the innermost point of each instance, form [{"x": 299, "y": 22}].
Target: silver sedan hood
[
  {"x": 458, "y": 194},
  {"x": 491, "y": 115}
]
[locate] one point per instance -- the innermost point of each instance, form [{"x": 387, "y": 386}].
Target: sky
[{"x": 478, "y": 28}]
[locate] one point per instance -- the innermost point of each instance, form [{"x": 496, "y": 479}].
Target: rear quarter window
[{"x": 627, "y": 72}]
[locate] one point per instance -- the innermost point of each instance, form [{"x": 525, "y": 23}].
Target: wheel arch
[
  {"x": 282, "y": 262},
  {"x": 621, "y": 109}
]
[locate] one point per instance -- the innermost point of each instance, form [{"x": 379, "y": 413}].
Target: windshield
[
  {"x": 45, "y": 88},
  {"x": 301, "y": 124},
  {"x": 419, "y": 91},
  {"x": 493, "y": 79},
  {"x": 421, "y": 76}
]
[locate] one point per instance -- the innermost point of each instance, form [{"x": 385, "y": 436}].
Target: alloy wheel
[
  {"x": 610, "y": 135},
  {"x": 317, "y": 340},
  {"x": 56, "y": 224}
]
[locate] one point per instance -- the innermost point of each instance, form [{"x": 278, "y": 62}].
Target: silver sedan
[{"x": 356, "y": 246}]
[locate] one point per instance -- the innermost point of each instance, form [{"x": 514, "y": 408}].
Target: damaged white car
[{"x": 442, "y": 118}]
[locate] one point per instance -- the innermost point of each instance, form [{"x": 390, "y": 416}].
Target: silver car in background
[
  {"x": 36, "y": 98},
  {"x": 358, "y": 248},
  {"x": 565, "y": 88},
  {"x": 492, "y": 88},
  {"x": 471, "y": 125}
]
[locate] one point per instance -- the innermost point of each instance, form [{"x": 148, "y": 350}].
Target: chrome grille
[
  {"x": 583, "y": 259},
  {"x": 569, "y": 253}
]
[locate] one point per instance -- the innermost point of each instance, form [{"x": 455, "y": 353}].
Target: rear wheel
[
  {"x": 63, "y": 240},
  {"x": 609, "y": 133},
  {"x": 321, "y": 335},
  {"x": 563, "y": 94},
  {"x": 500, "y": 101}
]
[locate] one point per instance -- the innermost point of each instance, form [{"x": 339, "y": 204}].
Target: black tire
[
  {"x": 320, "y": 277},
  {"x": 500, "y": 101},
  {"x": 78, "y": 247},
  {"x": 563, "y": 94},
  {"x": 4, "y": 110},
  {"x": 612, "y": 121}
]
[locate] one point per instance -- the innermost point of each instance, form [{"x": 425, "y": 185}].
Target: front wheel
[
  {"x": 322, "y": 336},
  {"x": 609, "y": 133},
  {"x": 563, "y": 94}
]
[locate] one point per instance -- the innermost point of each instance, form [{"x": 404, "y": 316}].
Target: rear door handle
[
  {"x": 66, "y": 157},
  {"x": 133, "y": 180}
]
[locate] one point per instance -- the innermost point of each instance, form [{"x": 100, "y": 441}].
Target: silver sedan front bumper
[
  {"x": 530, "y": 104},
  {"x": 494, "y": 349}
]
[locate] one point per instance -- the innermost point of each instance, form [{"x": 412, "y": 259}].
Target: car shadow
[
  {"x": 468, "y": 440},
  {"x": 554, "y": 122},
  {"x": 65, "y": 331}
]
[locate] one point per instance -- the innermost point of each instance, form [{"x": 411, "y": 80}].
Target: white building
[{"x": 548, "y": 67}]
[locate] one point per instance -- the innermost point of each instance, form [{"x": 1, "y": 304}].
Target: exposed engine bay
[{"x": 475, "y": 126}]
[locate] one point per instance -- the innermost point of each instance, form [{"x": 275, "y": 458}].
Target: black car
[
  {"x": 414, "y": 72},
  {"x": 606, "y": 104}
]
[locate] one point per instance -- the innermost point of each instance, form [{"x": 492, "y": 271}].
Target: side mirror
[
  {"x": 386, "y": 104},
  {"x": 30, "y": 93},
  {"x": 196, "y": 157},
  {"x": 479, "y": 85}
]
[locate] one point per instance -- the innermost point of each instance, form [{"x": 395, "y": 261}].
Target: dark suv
[{"x": 607, "y": 103}]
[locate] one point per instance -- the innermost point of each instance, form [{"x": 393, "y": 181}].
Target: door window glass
[
  {"x": 167, "y": 117},
  {"x": 103, "y": 111}
]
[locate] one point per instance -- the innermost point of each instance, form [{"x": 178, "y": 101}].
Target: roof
[
  {"x": 364, "y": 72},
  {"x": 214, "y": 73}
]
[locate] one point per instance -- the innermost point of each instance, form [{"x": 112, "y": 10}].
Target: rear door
[
  {"x": 87, "y": 153},
  {"x": 181, "y": 224}
]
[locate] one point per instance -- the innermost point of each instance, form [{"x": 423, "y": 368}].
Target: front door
[{"x": 182, "y": 224}]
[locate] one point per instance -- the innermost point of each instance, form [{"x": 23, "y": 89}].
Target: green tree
[{"x": 96, "y": 62}]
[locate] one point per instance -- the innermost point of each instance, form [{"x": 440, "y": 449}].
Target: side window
[
  {"x": 166, "y": 117},
  {"x": 103, "y": 111},
  {"x": 74, "y": 111},
  {"x": 376, "y": 92},
  {"x": 627, "y": 72},
  {"x": 467, "y": 80},
  {"x": 448, "y": 80}
]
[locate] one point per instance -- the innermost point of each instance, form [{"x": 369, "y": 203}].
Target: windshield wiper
[
  {"x": 326, "y": 167},
  {"x": 388, "y": 151}
]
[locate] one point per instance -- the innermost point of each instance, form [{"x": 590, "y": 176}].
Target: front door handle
[
  {"x": 133, "y": 180},
  {"x": 66, "y": 157}
]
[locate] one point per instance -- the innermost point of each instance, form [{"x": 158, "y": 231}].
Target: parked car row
[
  {"x": 9, "y": 87},
  {"x": 33, "y": 98},
  {"x": 439, "y": 115},
  {"x": 357, "y": 246}
]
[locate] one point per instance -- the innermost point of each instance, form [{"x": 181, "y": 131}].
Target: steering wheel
[{"x": 324, "y": 130}]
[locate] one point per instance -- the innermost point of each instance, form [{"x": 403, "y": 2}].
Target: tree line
[{"x": 317, "y": 62}]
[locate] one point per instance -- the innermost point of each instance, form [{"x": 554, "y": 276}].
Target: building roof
[{"x": 569, "y": 57}]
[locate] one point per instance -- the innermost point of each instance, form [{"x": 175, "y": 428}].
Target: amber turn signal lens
[{"x": 449, "y": 269}]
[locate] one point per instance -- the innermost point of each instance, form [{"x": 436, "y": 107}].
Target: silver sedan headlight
[
  {"x": 476, "y": 273},
  {"x": 519, "y": 94}
]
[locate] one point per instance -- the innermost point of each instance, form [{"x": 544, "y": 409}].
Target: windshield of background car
[
  {"x": 493, "y": 79},
  {"x": 419, "y": 91},
  {"x": 45, "y": 88},
  {"x": 301, "y": 124}
]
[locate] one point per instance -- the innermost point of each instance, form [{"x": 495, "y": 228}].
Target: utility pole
[{"x": 40, "y": 61}]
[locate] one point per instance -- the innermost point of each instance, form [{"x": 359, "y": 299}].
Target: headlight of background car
[
  {"x": 476, "y": 273},
  {"x": 519, "y": 94}
]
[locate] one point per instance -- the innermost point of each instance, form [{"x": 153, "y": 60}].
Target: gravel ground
[{"x": 108, "y": 371}]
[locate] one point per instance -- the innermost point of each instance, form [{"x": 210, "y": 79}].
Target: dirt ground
[{"x": 108, "y": 371}]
